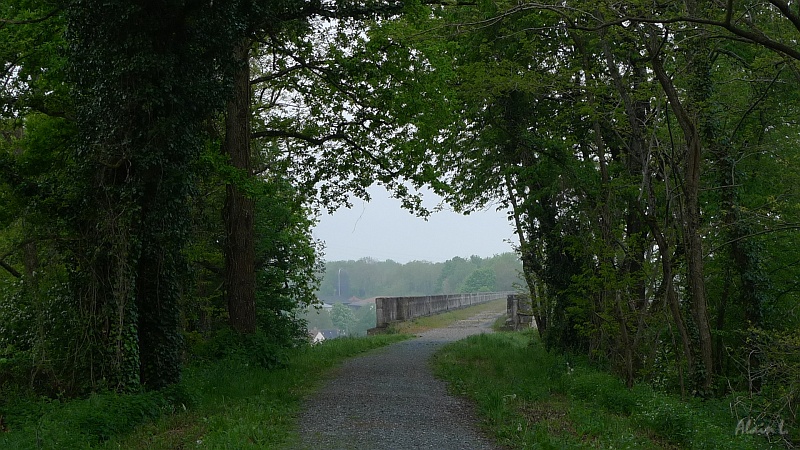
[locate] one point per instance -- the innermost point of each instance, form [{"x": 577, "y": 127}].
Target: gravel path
[{"x": 389, "y": 399}]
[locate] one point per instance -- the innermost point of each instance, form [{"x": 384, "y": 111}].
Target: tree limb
[
  {"x": 297, "y": 135},
  {"x": 787, "y": 227},
  {"x": 784, "y": 8},
  {"x": 31, "y": 21},
  {"x": 727, "y": 23},
  {"x": 749, "y": 36},
  {"x": 275, "y": 75},
  {"x": 338, "y": 136},
  {"x": 213, "y": 268},
  {"x": 10, "y": 269}
]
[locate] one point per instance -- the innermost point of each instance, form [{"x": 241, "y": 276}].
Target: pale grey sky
[{"x": 381, "y": 229}]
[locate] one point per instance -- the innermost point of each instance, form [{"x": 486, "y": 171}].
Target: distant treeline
[{"x": 368, "y": 277}]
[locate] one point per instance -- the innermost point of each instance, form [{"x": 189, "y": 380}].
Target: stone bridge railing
[
  {"x": 520, "y": 311},
  {"x": 399, "y": 309}
]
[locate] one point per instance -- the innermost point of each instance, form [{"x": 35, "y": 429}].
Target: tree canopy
[{"x": 161, "y": 165}]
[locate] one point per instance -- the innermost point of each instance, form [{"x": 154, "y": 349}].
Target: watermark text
[{"x": 749, "y": 426}]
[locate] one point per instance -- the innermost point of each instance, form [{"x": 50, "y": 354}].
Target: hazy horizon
[{"x": 382, "y": 230}]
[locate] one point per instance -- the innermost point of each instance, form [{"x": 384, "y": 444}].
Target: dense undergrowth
[
  {"x": 229, "y": 403},
  {"x": 530, "y": 398}
]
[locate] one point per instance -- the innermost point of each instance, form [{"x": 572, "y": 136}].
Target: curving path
[{"x": 389, "y": 399}]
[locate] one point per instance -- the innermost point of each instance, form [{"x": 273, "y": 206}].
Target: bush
[
  {"x": 603, "y": 390},
  {"x": 51, "y": 423},
  {"x": 257, "y": 348},
  {"x": 546, "y": 400},
  {"x": 668, "y": 418}
]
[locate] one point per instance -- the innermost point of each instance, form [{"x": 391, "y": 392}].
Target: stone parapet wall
[
  {"x": 520, "y": 311},
  {"x": 399, "y": 309}
]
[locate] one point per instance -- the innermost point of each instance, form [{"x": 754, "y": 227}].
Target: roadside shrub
[
  {"x": 257, "y": 348},
  {"x": 105, "y": 415},
  {"x": 604, "y": 390},
  {"x": 79, "y": 423},
  {"x": 42, "y": 342},
  {"x": 668, "y": 418}
]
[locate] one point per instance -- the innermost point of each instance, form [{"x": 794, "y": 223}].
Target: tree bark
[
  {"x": 691, "y": 223},
  {"x": 538, "y": 308},
  {"x": 240, "y": 279},
  {"x": 671, "y": 297}
]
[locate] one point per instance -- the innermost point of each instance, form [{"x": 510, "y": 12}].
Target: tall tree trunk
[
  {"x": 670, "y": 295},
  {"x": 690, "y": 213},
  {"x": 745, "y": 260},
  {"x": 610, "y": 298},
  {"x": 158, "y": 276},
  {"x": 538, "y": 306},
  {"x": 628, "y": 301},
  {"x": 240, "y": 279}
]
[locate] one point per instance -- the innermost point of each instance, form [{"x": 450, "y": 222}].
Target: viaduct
[{"x": 399, "y": 309}]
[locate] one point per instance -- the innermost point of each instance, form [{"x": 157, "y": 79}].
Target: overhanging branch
[
  {"x": 52, "y": 13},
  {"x": 787, "y": 227},
  {"x": 567, "y": 14},
  {"x": 338, "y": 136},
  {"x": 749, "y": 36},
  {"x": 10, "y": 269},
  {"x": 288, "y": 134},
  {"x": 277, "y": 74}
]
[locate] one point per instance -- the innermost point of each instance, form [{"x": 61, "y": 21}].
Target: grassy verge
[
  {"x": 442, "y": 320},
  {"x": 529, "y": 398},
  {"x": 225, "y": 404}
]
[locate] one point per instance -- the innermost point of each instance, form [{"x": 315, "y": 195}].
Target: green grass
[
  {"x": 225, "y": 404},
  {"x": 529, "y": 398}
]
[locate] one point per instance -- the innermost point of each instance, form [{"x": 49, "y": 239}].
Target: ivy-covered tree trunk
[
  {"x": 147, "y": 77},
  {"x": 159, "y": 271},
  {"x": 240, "y": 279},
  {"x": 109, "y": 227},
  {"x": 748, "y": 291}
]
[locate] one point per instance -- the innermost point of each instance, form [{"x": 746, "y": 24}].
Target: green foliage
[
  {"x": 454, "y": 272},
  {"x": 481, "y": 280},
  {"x": 288, "y": 261},
  {"x": 138, "y": 145},
  {"x": 264, "y": 348},
  {"x": 40, "y": 329},
  {"x": 104, "y": 118},
  {"x": 367, "y": 277},
  {"x": 40, "y": 319},
  {"x": 365, "y": 320},
  {"x": 777, "y": 354},
  {"x": 343, "y": 317},
  {"x": 286, "y": 272},
  {"x": 571, "y": 130},
  {"x": 111, "y": 180}
]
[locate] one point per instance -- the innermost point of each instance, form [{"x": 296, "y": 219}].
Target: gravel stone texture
[{"x": 389, "y": 399}]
